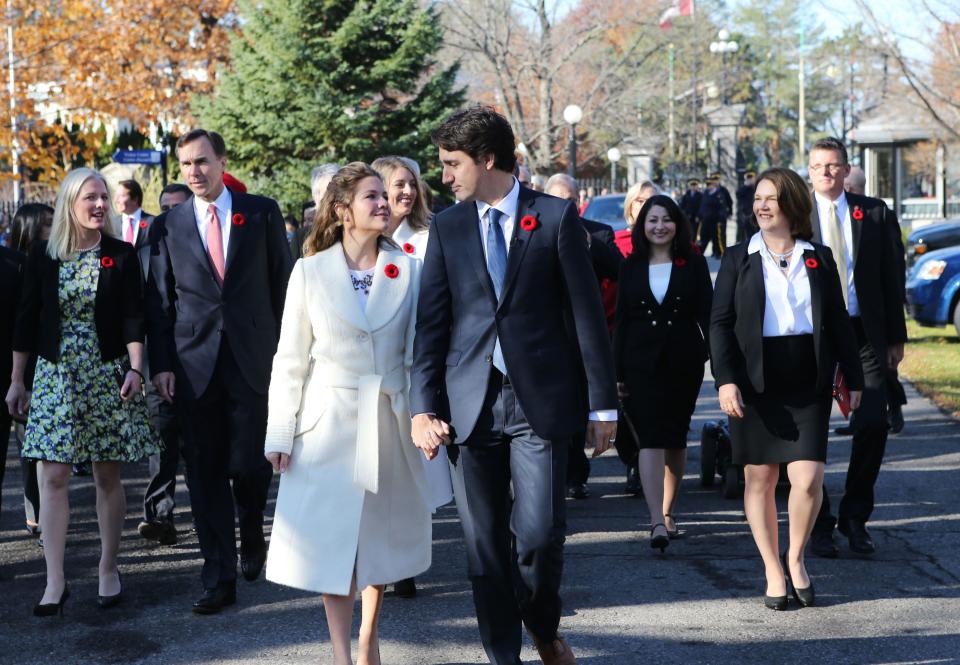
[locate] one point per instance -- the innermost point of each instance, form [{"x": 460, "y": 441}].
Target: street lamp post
[
  {"x": 613, "y": 154},
  {"x": 572, "y": 114},
  {"x": 723, "y": 46}
]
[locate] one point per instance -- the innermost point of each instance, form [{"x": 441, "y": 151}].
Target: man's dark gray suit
[
  {"x": 220, "y": 342},
  {"x": 552, "y": 332}
]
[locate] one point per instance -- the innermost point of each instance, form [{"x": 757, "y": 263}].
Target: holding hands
[{"x": 429, "y": 433}]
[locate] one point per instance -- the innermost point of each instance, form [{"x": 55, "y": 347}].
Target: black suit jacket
[
  {"x": 644, "y": 329},
  {"x": 736, "y": 321},
  {"x": 118, "y": 309},
  {"x": 879, "y": 270},
  {"x": 11, "y": 279},
  {"x": 604, "y": 254},
  {"x": 548, "y": 280},
  {"x": 188, "y": 313}
]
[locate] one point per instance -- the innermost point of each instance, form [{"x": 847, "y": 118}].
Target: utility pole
[
  {"x": 14, "y": 146},
  {"x": 802, "y": 115},
  {"x": 671, "y": 140}
]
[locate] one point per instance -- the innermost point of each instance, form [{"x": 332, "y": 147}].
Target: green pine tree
[{"x": 317, "y": 81}]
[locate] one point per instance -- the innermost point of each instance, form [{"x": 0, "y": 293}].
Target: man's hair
[
  {"x": 176, "y": 188},
  {"x": 561, "y": 179},
  {"x": 319, "y": 173},
  {"x": 219, "y": 147},
  {"x": 135, "y": 190},
  {"x": 831, "y": 143},
  {"x": 479, "y": 131}
]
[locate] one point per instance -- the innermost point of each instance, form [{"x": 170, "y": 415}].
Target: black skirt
[{"x": 790, "y": 420}]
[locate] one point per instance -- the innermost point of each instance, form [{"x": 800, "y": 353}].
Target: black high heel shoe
[
  {"x": 676, "y": 527},
  {"x": 778, "y": 603},
  {"x": 51, "y": 609},
  {"x": 106, "y": 602},
  {"x": 805, "y": 596},
  {"x": 659, "y": 542}
]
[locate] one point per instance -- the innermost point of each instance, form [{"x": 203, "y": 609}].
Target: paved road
[{"x": 699, "y": 603}]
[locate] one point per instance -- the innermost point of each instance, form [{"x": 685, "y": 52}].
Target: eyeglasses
[{"x": 826, "y": 167}]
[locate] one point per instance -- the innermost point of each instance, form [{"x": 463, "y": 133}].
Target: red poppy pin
[
  {"x": 143, "y": 224},
  {"x": 528, "y": 223},
  {"x": 857, "y": 213},
  {"x": 408, "y": 248},
  {"x": 679, "y": 262},
  {"x": 812, "y": 263},
  {"x": 239, "y": 220},
  {"x": 106, "y": 262},
  {"x": 391, "y": 271}
]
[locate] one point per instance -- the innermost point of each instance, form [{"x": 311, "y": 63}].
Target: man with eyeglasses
[{"x": 865, "y": 239}]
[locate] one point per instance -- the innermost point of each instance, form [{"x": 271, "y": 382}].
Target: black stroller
[{"x": 716, "y": 459}]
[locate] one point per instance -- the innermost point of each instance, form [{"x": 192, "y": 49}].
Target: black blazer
[
  {"x": 604, "y": 254},
  {"x": 187, "y": 311},
  {"x": 736, "y": 321},
  {"x": 549, "y": 281},
  {"x": 118, "y": 309},
  {"x": 644, "y": 329},
  {"x": 11, "y": 279},
  {"x": 879, "y": 270}
]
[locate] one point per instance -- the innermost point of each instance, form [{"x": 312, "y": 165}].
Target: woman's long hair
[
  {"x": 419, "y": 217},
  {"x": 681, "y": 246},
  {"x": 27, "y": 224},
  {"x": 63, "y": 243},
  {"x": 327, "y": 229}
]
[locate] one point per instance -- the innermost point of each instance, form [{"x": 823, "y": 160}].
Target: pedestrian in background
[
  {"x": 660, "y": 346},
  {"x": 778, "y": 329},
  {"x": 745, "y": 225},
  {"x": 690, "y": 205},
  {"x": 81, "y": 311},
  {"x": 633, "y": 201}
]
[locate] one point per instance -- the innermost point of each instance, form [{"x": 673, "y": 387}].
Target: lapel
[
  {"x": 143, "y": 232},
  {"x": 753, "y": 282},
  {"x": 856, "y": 226},
  {"x": 337, "y": 289},
  {"x": 526, "y": 203},
  {"x": 238, "y": 232},
  {"x": 647, "y": 290},
  {"x": 816, "y": 296},
  {"x": 183, "y": 231},
  {"x": 388, "y": 294},
  {"x": 815, "y": 221},
  {"x": 469, "y": 231}
]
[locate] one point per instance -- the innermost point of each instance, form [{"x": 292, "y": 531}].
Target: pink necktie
[
  {"x": 128, "y": 234},
  {"x": 215, "y": 244}
]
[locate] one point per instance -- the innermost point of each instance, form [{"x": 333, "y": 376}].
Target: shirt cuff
[{"x": 605, "y": 415}]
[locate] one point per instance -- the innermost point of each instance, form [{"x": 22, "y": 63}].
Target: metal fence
[{"x": 9, "y": 208}]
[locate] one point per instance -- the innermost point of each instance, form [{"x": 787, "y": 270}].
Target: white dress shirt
[
  {"x": 843, "y": 214},
  {"x": 125, "y": 224},
  {"x": 508, "y": 206},
  {"x": 787, "y": 308},
  {"x": 659, "y": 275},
  {"x": 201, "y": 211}
]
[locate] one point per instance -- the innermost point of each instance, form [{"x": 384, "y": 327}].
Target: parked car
[
  {"x": 931, "y": 238},
  {"x": 607, "y": 209},
  {"x": 933, "y": 289}
]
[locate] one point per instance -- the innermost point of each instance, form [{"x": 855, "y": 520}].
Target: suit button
[
  {"x": 488, "y": 359},
  {"x": 654, "y": 323},
  {"x": 669, "y": 323},
  {"x": 650, "y": 311},
  {"x": 362, "y": 337}
]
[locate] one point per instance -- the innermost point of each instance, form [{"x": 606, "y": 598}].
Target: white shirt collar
[
  {"x": 507, "y": 205},
  {"x": 756, "y": 243},
  {"x": 224, "y": 204},
  {"x": 823, "y": 203}
]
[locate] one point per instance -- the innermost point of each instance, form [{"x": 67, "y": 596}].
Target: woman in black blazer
[
  {"x": 81, "y": 311},
  {"x": 659, "y": 340},
  {"x": 778, "y": 328}
]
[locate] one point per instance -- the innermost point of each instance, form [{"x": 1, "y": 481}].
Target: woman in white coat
[
  {"x": 409, "y": 228},
  {"x": 352, "y": 510}
]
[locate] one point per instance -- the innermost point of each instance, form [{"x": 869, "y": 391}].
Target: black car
[{"x": 930, "y": 238}]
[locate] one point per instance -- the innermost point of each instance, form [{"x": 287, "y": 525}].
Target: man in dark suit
[
  {"x": 690, "y": 205},
  {"x": 865, "y": 239},
  {"x": 128, "y": 201},
  {"x": 606, "y": 260},
  {"x": 11, "y": 278},
  {"x": 509, "y": 322},
  {"x": 727, "y": 204},
  {"x": 746, "y": 226},
  {"x": 219, "y": 266},
  {"x": 712, "y": 213}
]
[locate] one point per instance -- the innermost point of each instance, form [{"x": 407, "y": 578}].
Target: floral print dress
[{"x": 76, "y": 414}]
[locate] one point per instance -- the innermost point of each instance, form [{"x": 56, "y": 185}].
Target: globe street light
[
  {"x": 572, "y": 114},
  {"x": 724, "y": 46},
  {"x": 613, "y": 154}
]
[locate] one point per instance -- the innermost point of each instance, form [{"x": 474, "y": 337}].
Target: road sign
[{"x": 138, "y": 156}]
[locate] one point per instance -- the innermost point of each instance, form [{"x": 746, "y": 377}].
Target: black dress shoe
[
  {"x": 161, "y": 531},
  {"x": 252, "y": 564},
  {"x": 895, "y": 418},
  {"x": 857, "y": 536},
  {"x": 406, "y": 588},
  {"x": 633, "y": 481},
  {"x": 844, "y": 430},
  {"x": 578, "y": 491},
  {"x": 106, "y": 602},
  {"x": 821, "y": 544},
  {"x": 214, "y": 600}
]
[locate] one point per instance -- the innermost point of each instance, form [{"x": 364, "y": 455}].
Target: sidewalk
[{"x": 626, "y": 604}]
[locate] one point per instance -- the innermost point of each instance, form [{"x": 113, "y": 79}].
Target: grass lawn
[{"x": 932, "y": 363}]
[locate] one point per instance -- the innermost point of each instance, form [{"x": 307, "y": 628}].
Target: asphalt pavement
[{"x": 625, "y": 604}]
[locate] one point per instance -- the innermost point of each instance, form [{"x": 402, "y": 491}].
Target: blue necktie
[{"x": 497, "y": 267}]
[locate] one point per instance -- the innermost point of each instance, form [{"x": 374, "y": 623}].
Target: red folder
[{"x": 841, "y": 392}]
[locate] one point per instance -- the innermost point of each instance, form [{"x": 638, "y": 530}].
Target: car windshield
[{"x": 606, "y": 209}]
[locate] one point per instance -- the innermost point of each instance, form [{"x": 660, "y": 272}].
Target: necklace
[
  {"x": 93, "y": 246},
  {"x": 782, "y": 260}
]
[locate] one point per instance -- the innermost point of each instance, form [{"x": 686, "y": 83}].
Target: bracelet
[{"x": 143, "y": 379}]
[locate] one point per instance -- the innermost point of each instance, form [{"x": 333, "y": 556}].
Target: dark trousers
[
  {"x": 578, "y": 466},
  {"x": 30, "y": 471},
  {"x": 159, "y": 497},
  {"x": 5, "y": 422},
  {"x": 514, "y": 546},
  {"x": 708, "y": 234},
  {"x": 227, "y": 419},
  {"x": 869, "y": 441}
]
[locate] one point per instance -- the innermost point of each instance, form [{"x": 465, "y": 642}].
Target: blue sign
[{"x": 138, "y": 156}]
